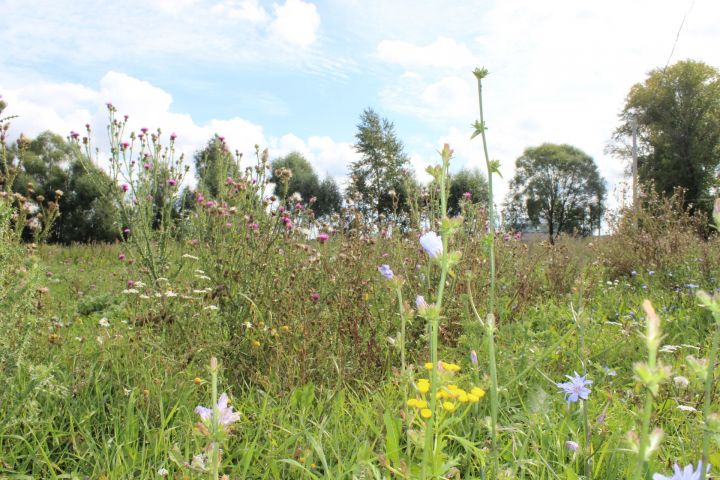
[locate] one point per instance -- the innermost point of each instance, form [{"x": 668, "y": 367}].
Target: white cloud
[
  {"x": 442, "y": 53},
  {"x": 448, "y": 98},
  {"x": 243, "y": 10},
  {"x": 62, "y": 107},
  {"x": 296, "y": 22}
]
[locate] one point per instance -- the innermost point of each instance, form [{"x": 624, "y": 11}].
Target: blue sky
[{"x": 296, "y": 74}]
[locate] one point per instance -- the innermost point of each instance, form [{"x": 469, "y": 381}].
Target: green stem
[
  {"x": 215, "y": 457},
  {"x": 708, "y": 397},
  {"x": 647, "y": 413},
  {"x": 490, "y": 324}
]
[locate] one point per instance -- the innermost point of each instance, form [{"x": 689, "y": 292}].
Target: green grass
[{"x": 321, "y": 400}]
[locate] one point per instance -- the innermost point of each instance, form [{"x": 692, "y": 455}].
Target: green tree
[
  {"x": 677, "y": 111},
  {"x": 377, "y": 177},
  {"x": 467, "y": 181},
  {"x": 305, "y": 181},
  {"x": 213, "y": 165},
  {"x": 50, "y": 164},
  {"x": 557, "y": 187}
]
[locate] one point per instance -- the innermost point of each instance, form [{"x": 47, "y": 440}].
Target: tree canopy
[
  {"x": 377, "y": 178},
  {"x": 677, "y": 110},
  {"x": 557, "y": 187},
  {"x": 305, "y": 181},
  {"x": 464, "y": 182},
  {"x": 213, "y": 165}
]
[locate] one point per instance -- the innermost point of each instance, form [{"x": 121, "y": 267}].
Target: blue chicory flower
[
  {"x": 226, "y": 416},
  {"x": 431, "y": 243},
  {"x": 576, "y": 388},
  {"x": 386, "y": 271},
  {"x": 687, "y": 473}
]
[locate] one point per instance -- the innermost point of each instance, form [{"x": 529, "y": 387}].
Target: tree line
[{"x": 675, "y": 114}]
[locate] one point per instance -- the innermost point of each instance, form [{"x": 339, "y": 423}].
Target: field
[{"x": 103, "y": 370}]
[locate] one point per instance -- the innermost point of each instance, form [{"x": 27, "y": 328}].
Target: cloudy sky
[{"x": 296, "y": 74}]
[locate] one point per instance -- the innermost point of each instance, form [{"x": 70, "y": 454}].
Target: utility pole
[{"x": 633, "y": 123}]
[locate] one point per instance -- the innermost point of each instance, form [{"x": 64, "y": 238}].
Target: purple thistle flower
[
  {"x": 572, "y": 446},
  {"x": 467, "y": 195},
  {"x": 323, "y": 237},
  {"x": 432, "y": 244},
  {"x": 386, "y": 272},
  {"x": 473, "y": 358},
  {"x": 420, "y": 303},
  {"x": 226, "y": 416},
  {"x": 125, "y": 187},
  {"x": 576, "y": 389},
  {"x": 172, "y": 182},
  {"x": 687, "y": 473},
  {"x": 315, "y": 296}
]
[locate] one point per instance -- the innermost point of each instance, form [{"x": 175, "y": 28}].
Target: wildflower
[
  {"x": 163, "y": 472},
  {"x": 104, "y": 322},
  {"x": 386, "y": 272},
  {"x": 681, "y": 381},
  {"x": 572, "y": 446},
  {"x": 172, "y": 182},
  {"x": 125, "y": 187},
  {"x": 423, "y": 385},
  {"x": 121, "y": 257},
  {"x": 323, "y": 237},
  {"x": 426, "y": 413},
  {"x": 173, "y": 137},
  {"x": 576, "y": 388},
  {"x": 226, "y": 416},
  {"x": 432, "y": 244},
  {"x": 420, "y": 303},
  {"x": 449, "y": 406},
  {"x": 315, "y": 296},
  {"x": 474, "y": 358},
  {"x": 478, "y": 392},
  {"x": 687, "y": 473},
  {"x": 467, "y": 195}
]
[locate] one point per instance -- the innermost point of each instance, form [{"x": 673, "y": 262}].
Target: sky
[{"x": 295, "y": 75}]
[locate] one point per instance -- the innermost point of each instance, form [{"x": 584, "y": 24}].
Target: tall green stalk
[
  {"x": 433, "y": 316},
  {"x": 492, "y": 167},
  {"x": 714, "y": 305},
  {"x": 215, "y": 423}
]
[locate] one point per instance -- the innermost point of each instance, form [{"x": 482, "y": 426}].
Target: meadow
[
  {"x": 103, "y": 373},
  {"x": 246, "y": 338}
]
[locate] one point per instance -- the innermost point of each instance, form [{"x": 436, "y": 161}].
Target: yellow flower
[
  {"x": 451, "y": 367},
  {"x": 197, "y": 380},
  {"x": 449, "y": 406},
  {"x": 285, "y": 328},
  {"x": 452, "y": 387},
  {"x": 425, "y": 413},
  {"x": 463, "y": 397},
  {"x": 428, "y": 366},
  {"x": 255, "y": 343},
  {"x": 478, "y": 392},
  {"x": 423, "y": 387},
  {"x": 412, "y": 402},
  {"x": 421, "y": 404},
  {"x": 473, "y": 398}
]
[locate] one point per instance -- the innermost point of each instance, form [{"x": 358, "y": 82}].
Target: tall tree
[
  {"x": 377, "y": 177},
  {"x": 471, "y": 182},
  {"x": 677, "y": 111},
  {"x": 305, "y": 181},
  {"x": 559, "y": 188},
  {"x": 213, "y": 165}
]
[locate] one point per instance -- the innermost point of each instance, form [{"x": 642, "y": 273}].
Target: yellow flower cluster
[
  {"x": 449, "y": 395},
  {"x": 448, "y": 367}
]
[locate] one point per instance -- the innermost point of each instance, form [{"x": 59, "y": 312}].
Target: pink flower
[
  {"x": 225, "y": 414},
  {"x": 323, "y": 237},
  {"x": 147, "y": 166},
  {"x": 172, "y": 182},
  {"x": 121, "y": 257},
  {"x": 144, "y": 130},
  {"x": 125, "y": 187},
  {"x": 467, "y": 195},
  {"x": 131, "y": 283},
  {"x": 126, "y": 231},
  {"x": 315, "y": 296},
  {"x": 124, "y": 145},
  {"x": 173, "y": 137}
]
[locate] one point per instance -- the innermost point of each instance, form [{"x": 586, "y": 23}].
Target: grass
[{"x": 322, "y": 399}]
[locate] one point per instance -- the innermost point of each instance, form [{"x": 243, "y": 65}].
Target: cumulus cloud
[
  {"x": 242, "y": 10},
  {"x": 442, "y": 53},
  {"x": 62, "y": 107},
  {"x": 296, "y": 22}
]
